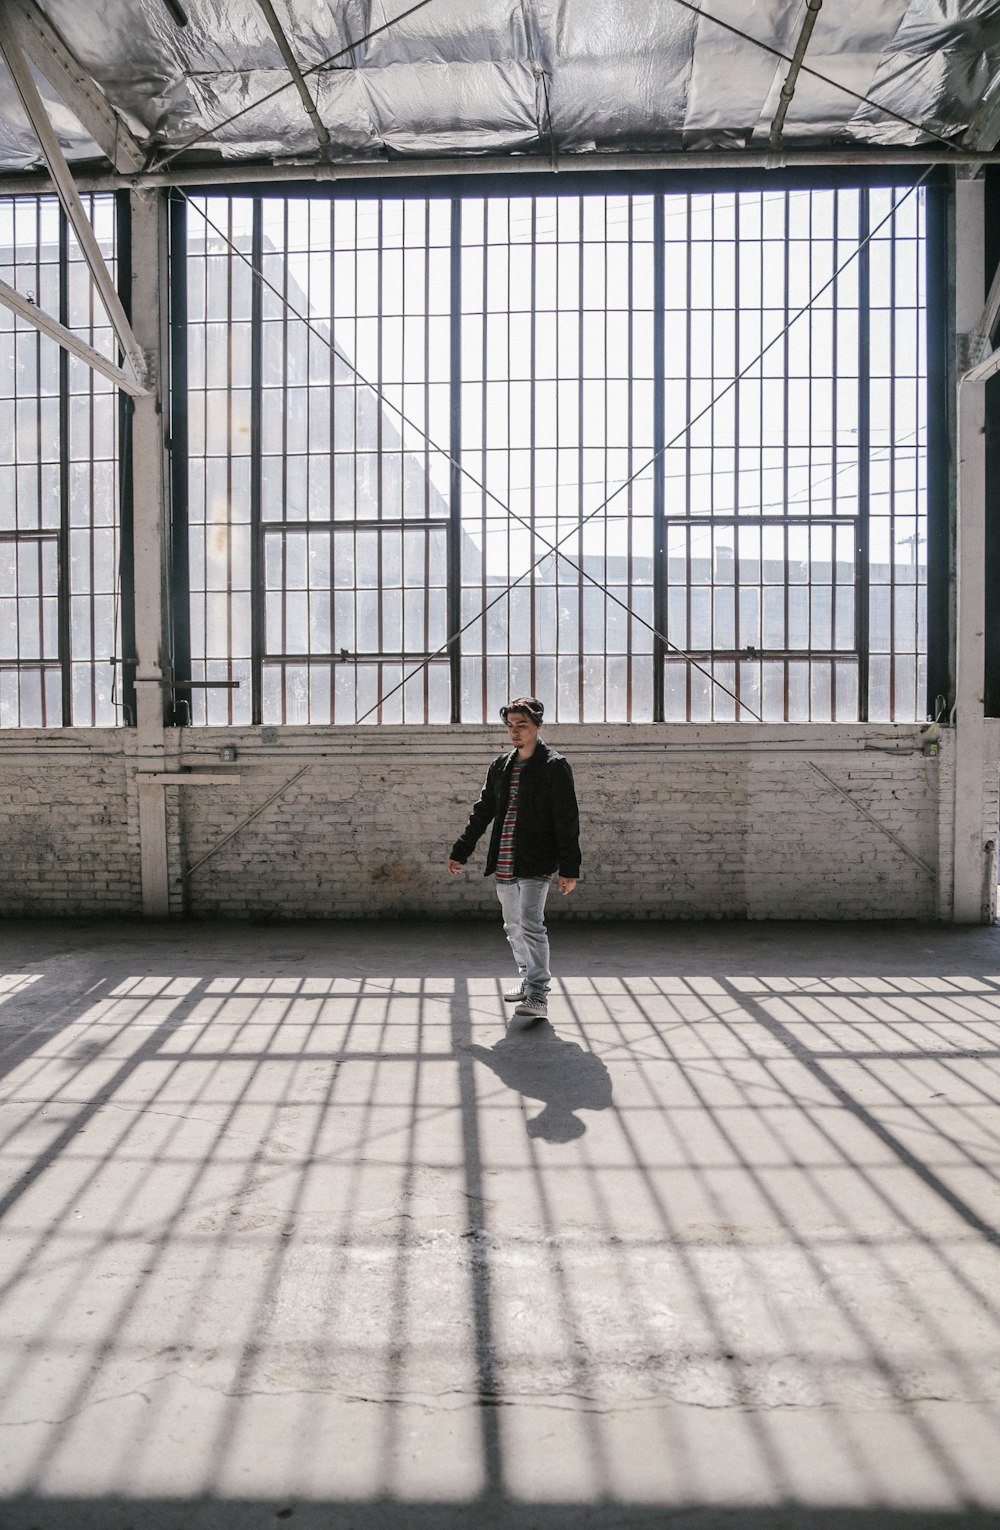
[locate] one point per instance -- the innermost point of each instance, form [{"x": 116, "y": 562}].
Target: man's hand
[
  {"x": 454, "y": 867},
  {"x": 566, "y": 885}
]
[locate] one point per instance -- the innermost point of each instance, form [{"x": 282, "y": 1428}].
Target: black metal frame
[
  {"x": 256, "y": 470},
  {"x": 659, "y": 445},
  {"x": 177, "y": 542},
  {"x": 610, "y": 183},
  {"x": 126, "y": 534},
  {"x": 862, "y": 596},
  {"x": 941, "y": 424},
  {"x": 60, "y": 663},
  {"x": 455, "y": 476}
]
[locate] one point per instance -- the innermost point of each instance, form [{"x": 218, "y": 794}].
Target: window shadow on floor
[{"x": 270, "y": 1201}]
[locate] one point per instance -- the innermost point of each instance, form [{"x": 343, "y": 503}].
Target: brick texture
[
  {"x": 69, "y": 825},
  {"x": 678, "y": 823}
]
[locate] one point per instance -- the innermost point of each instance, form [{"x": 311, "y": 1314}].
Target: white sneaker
[
  {"x": 514, "y": 995},
  {"x": 533, "y": 1009}
]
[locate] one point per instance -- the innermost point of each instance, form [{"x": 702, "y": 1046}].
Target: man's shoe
[
  {"x": 533, "y": 1009},
  {"x": 514, "y": 995}
]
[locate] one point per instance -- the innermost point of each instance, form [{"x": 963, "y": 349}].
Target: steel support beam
[
  {"x": 971, "y": 898},
  {"x": 292, "y": 65},
  {"x": 149, "y": 494},
  {"x": 794, "y": 69},
  {"x": 688, "y": 161},
  {"x": 68, "y": 194},
  {"x": 71, "y": 82},
  {"x": 25, "y": 309}
]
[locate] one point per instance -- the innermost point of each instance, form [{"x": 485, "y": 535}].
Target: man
[{"x": 530, "y": 799}]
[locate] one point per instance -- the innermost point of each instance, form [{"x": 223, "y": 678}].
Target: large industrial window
[
  {"x": 795, "y": 504},
  {"x": 649, "y": 456},
  {"x": 557, "y": 390},
  {"x": 59, "y": 577},
  {"x": 318, "y": 517}
]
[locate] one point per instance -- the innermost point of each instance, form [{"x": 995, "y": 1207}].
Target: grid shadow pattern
[{"x": 705, "y": 1250}]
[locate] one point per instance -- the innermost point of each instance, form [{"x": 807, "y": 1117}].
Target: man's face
[{"x": 521, "y": 730}]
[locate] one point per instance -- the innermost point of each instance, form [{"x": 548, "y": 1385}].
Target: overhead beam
[
  {"x": 50, "y": 55},
  {"x": 292, "y": 65},
  {"x": 25, "y": 309},
  {"x": 68, "y": 194},
  {"x": 696, "y": 161}
]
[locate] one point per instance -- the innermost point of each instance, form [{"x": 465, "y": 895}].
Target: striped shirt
[{"x": 505, "y": 859}]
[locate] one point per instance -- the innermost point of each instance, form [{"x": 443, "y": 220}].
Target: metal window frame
[
  {"x": 941, "y": 433},
  {"x": 257, "y": 591},
  {"x": 862, "y": 544},
  {"x": 263, "y": 528},
  {"x": 178, "y": 557},
  {"x": 126, "y": 486},
  {"x": 657, "y": 183},
  {"x": 62, "y": 662}
]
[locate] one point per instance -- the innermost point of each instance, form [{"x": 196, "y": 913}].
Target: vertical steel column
[
  {"x": 179, "y": 591},
  {"x": 256, "y": 466},
  {"x": 149, "y": 475},
  {"x": 532, "y": 476},
  {"x": 126, "y": 539},
  {"x": 659, "y": 449},
  {"x": 862, "y": 539},
  {"x": 454, "y": 595},
  {"x": 991, "y": 655},
  {"x": 63, "y": 576},
  {"x": 786, "y": 551},
  {"x": 973, "y": 890},
  {"x": 940, "y": 434}
]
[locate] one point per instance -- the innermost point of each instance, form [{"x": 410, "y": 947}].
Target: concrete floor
[{"x": 293, "y": 1231}]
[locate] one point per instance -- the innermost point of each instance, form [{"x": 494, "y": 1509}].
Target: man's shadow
[{"x": 538, "y": 1063}]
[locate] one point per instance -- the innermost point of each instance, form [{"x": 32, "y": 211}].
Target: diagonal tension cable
[
  {"x": 550, "y": 547},
  {"x": 554, "y": 548},
  {"x": 788, "y": 58},
  {"x": 674, "y": 647},
  {"x": 324, "y": 63},
  {"x": 733, "y": 382},
  {"x": 502, "y": 594},
  {"x": 208, "y": 133}
]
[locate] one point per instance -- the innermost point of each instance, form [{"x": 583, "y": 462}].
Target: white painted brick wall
[
  {"x": 68, "y": 826},
  {"x": 678, "y": 823}
]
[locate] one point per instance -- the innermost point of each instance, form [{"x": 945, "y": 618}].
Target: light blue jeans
[{"x": 523, "y": 904}]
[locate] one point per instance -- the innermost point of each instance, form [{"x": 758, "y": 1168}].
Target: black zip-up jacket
[{"x": 547, "y": 827}]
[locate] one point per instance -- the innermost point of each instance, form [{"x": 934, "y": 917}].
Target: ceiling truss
[
  {"x": 285, "y": 48},
  {"x": 73, "y": 207},
  {"x": 205, "y": 90},
  {"x": 41, "y": 42}
]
